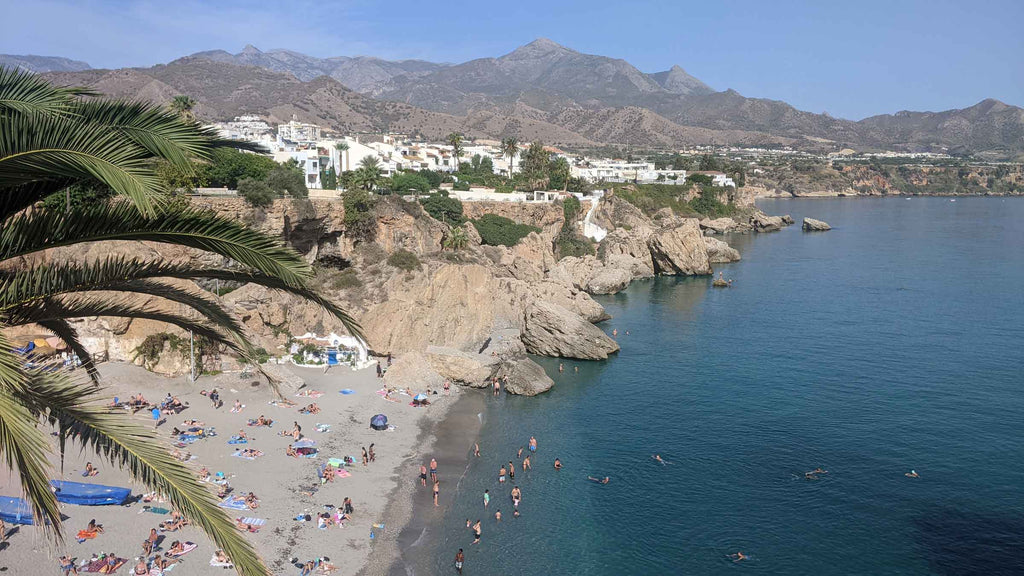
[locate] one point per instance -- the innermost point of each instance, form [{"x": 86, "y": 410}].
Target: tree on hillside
[
  {"x": 535, "y": 162},
  {"x": 182, "y": 105},
  {"x": 288, "y": 178},
  {"x": 256, "y": 192},
  {"x": 50, "y": 139},
  {"x": 510, "y": 149},
  {"x": 225, "y": 167},
  {"x": 455, "y": 141},
  {"x": 558, "y": 173},
  {"x": 368, "y": 175}
]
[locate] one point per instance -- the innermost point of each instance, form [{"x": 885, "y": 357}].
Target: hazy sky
[{"x": 848, "y": 58}]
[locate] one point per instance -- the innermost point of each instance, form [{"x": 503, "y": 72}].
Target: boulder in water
[{"x": 812, "y": 225}]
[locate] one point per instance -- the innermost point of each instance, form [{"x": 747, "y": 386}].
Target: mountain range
[{"x": 541, "y": 90}]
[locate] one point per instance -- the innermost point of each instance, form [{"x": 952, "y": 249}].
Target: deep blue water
[{"x": 893, "y": 342}]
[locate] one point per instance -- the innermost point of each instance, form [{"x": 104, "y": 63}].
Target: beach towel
[
  {"x": 237, "y": 440},
  {"x": 98, "y": 565},
  {"x": 304, "y": 443},
  {"x": 154, "y": 510},
  {"x": 252, "y": 521},
  {"x": 336, "y": 462},
  {"x": 282, "y": 403},
  {"x": 187, "y": 438},
  {"x": 234, "y": 503},
  {"x": 343, "y": 473},
  {"x": 188, "y": 547},
  {"x": 238, "y": 454},
  {"x": 347, "y": 391},
  {"x": 307, "y": 452},
  {"x": 84, "y": 535},
  {"x": 218, "y": 564},
  {"x": 323, "y": 428}
]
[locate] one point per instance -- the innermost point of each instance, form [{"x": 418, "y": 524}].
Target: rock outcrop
[
  {"x": 720, "y": 252},
  {"x": 812, "y": 225},
  {"x": 551, "y": 330},
  {"x": 765, "y": 223},
  {"x": 679, "y": 249},
  {"x": 718, "y": 225}
]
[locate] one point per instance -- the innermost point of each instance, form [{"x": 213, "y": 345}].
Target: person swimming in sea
[
  {"x": 558, "y": 464},
  {"x": 598, "y": 480},
  {"x": 658, "y": 458},
  {"x": 738, "y": 556},
  {"x": 912, "y": 474}
]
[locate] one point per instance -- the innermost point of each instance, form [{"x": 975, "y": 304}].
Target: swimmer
[
  {"x": 598, "y": 480},
  {"x": 615, "y": 332},
  {"x": 738, "y": 556},
  {"x": 912, "y": 474},
  {"x": 558, "y": 464},
  {"x": 657, "y": 458}
]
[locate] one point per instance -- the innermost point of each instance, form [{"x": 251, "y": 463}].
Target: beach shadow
[
  {"x": 159, "y": 541},
  {"x": 965, "y": 542}
]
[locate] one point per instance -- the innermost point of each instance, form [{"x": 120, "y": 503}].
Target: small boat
[{"x": 952, "y": 199}]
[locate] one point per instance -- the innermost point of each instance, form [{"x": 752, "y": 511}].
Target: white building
[
  {"x": 308, "y": 160},
  {"x": 248, "y": 128},
  {"x": 717, "y": 178},
  {"x": 298, "y": 132},
  {"x": 615, "y": 170}
]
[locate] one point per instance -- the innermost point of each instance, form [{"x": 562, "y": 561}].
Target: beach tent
[
  {"x": 89, "y": 494},
  {"x": 379, "y": 422},
  {"x": 15, "y": 510}
]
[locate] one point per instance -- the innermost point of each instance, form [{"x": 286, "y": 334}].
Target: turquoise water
[{"x": 893, "y": 342}]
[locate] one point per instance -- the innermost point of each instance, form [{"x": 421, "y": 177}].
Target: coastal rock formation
[
  {"x": 525, "y": 377},
  {"x": 679, "y": 249},
  {"x": 466, "y": 368},
  {"x": 718, "y": 225},
  {"x": 554, "y": 331},
  {"x": 812, "y": 225},
  {"x": 719, "y": 251},
  {"x": 765, "y": 223},
  {"x": 597, "y": 277},
  {"x": 413, "y": 370}
]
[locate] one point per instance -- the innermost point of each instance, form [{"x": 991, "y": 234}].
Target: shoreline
[{"x": 449, "y": 440}]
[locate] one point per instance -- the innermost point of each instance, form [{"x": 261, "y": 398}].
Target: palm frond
[
  {"x": 22, "y": 92},
  {"x": 28, "y": 233},
  {"x": 23, "y": 444},
  {"x": 66, "y": 332},
  {"x": 132, "y": 447}
]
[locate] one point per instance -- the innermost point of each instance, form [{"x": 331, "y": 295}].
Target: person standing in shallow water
[
  {"x": 476, "y": 450},
  {"x": 487, "y": 498},
  {"x": 423, "y": 475},
  {"x": 437, "y": 490},
  {"x": 460, "y": 558},
  {"x": 533, "y": 444},
  {"x": 433, "y": 470}
]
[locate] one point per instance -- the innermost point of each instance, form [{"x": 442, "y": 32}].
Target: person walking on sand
[
  {"x": 487, "y": 498},
  {"x": 433, "y": 470},
  {"x": 476, "y": 449},
  {"x": 366, "y": 456},
  {"x": 423, "y": 475},
  {"x": 437, "y": 490},
  {"x": 373, "y": 455}
]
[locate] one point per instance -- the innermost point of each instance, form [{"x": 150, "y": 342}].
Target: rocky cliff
[{"x": 467, "y": 315}]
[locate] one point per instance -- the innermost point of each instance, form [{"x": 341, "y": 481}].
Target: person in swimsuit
[
  {"x": 366, "y": 457},
  {"x": 533, "y": 444},
  {"x": 511, "y": 470},
  {"x": 423, "y": 475},
  {"x": 657, "y": 458},
  {"x": 476, "y": 450},
  {"x": 738, "y": 556},
  {"x": 437, "y": 489},
  {"x": 598, "y": 480},
  {"x": 517, "y": 496},
  {"x": 487, "y": 498},
  {"x": 558, "y": 464},
  {"x": 433, "y": 470},
  {"x": 497, "y": 516},
  {"x": 459, "y": 559},
  {"x": 501, "y": 475},
  {"x": 477, "y": 532},
  {"x": 912, "y": 474},
  {"x": 67, "y": 566},
  {"x": 519, "y": 454},
  {"x": 526, "y": 463}
]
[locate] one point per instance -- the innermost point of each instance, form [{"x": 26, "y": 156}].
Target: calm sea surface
[{"x": 893, "y": 342}]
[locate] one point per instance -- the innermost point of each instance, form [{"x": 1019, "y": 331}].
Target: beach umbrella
[
  {"x": 304, "y": 443},
  {"x": 379, "y": 422},
  {"x": 348, "y": 391},
  {"x": 420, "y": 397}
]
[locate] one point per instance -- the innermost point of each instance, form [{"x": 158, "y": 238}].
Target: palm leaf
[
  {"x": 66, "y": 332},
  {"x": 28, "y": 233},
  {"x": 24, "y": 446},
  {"x": 22, "y": 92}
]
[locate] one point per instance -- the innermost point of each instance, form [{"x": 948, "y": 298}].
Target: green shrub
[
  {"x": 570, "y": 208},
  {"x": 360, "y": 222},
  {"x": 443, "y": 208},
  {"x": 570, "y": 243},
  {"x": 404, "y": 260},
  {"x": 256, "y": 192},
  {"x": 497, "y": 230},
  {"x": 461, "y": 185},
  {"x": 409, "y": 183}
]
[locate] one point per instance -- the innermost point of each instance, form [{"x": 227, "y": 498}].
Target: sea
[{"x": 892, "y": 343}]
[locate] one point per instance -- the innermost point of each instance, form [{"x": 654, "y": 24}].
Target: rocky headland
[{"x": 466, "y": 315}]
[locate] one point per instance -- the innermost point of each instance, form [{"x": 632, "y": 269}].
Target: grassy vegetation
[
  {"x": 404, "y": 260},
  {"x": 650, "y": 198}
]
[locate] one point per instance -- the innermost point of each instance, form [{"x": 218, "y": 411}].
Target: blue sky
[{"x": 850, "y": 59}]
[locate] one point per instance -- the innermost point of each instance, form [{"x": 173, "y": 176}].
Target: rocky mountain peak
[
  {"x": 539, "y": 48},
  {"x": 250, "y": 49}
]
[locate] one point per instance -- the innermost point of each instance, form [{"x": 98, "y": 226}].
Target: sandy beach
[{"x": 381, "y": 493}]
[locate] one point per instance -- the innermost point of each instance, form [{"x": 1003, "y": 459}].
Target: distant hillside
[
  {"x": 41, "y": 63},
  {"x": 360, "y": 73},
  {"x": 543, "y": 90}
]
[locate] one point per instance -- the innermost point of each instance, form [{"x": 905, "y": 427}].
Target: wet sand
[{"x": 450, "y": 441}]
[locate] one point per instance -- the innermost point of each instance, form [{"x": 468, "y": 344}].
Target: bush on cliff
[
  {"x": 256, "y": 192},
  {"x": 404, "y": 260},
  {"x": 360, "y": 222},
  {"x": 497, "y": 230},
  {"x": 443, "y": 208}
]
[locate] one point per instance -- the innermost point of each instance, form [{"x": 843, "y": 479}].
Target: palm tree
[
  {"x": 51, "y": 139},
  {"x": 342, "y": 147},
  {"x": 457, "y": 238},
  {"x": 368, "y": 175},
  {"x": 182, "y": 106},
  {"x": 510, "y": 149},
  {"x": 455, "y": 140}
]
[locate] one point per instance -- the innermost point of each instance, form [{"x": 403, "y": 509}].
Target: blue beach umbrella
[{"x": 379, "y": 422}]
